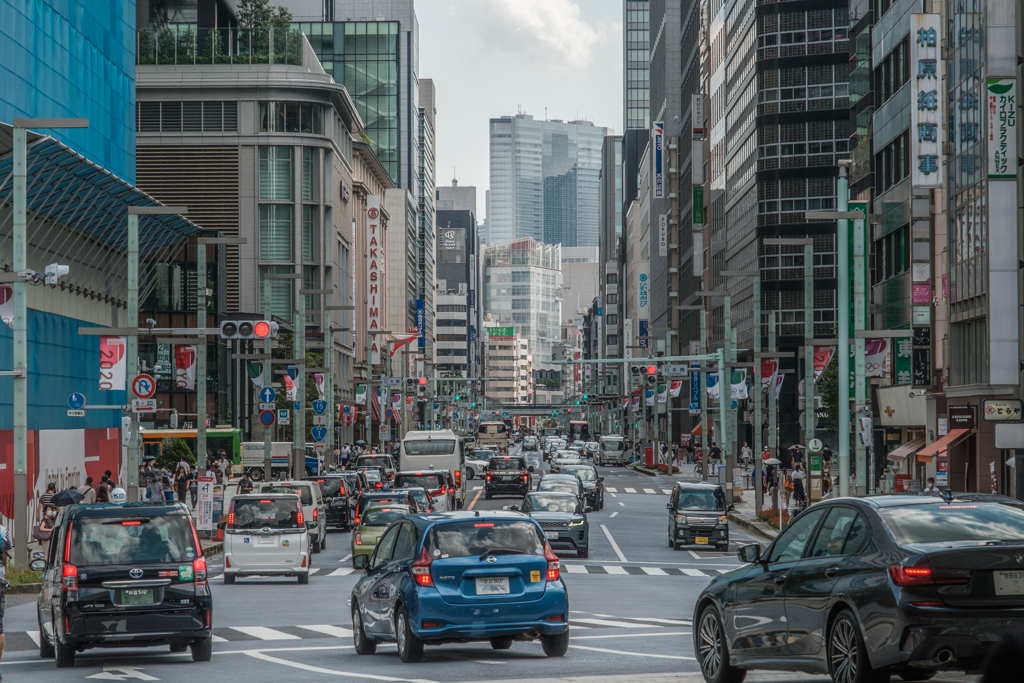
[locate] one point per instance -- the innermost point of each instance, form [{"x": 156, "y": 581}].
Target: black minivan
[
  {"x": 129, "y": 575},
  {"x": 698, "y": 515}
]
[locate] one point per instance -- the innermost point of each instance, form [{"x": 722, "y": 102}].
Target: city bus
[{"x": 217, "y": 438}]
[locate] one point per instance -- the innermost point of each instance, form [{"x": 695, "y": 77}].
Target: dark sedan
[
  {"x": 563, "y": 483},
  {"x": 864, "y": 588},
  {"x": 593, "y": 483}
]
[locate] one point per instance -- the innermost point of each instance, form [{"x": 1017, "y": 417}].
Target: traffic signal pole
[{"x": 201, "y": 356}]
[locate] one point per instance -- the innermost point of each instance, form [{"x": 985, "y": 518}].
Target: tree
[
  {"x": 828, "y": 388},
  {"x": 173, "y": 449},
  {"x": 259, "y": 14}
]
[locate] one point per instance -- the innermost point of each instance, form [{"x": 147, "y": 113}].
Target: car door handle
[
  {"x": 832, "y": 571},
  {"x": 780, "y": 579}
]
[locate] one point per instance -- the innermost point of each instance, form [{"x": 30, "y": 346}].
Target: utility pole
[
  {"x": 299, "y": 408},
  {"x": 773, "y": 436},
  {"x": 758, "y": 398},
  {"x": 705, "y": 426},
  {"x": 267, "y": 381},
  {"x": 810, "y": 415}
]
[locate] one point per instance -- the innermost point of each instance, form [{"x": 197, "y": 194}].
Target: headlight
[
  {"x": 579, "y": 523},
  {"x": 722, "y": 521},
  {"x": 680, "y": 519}
]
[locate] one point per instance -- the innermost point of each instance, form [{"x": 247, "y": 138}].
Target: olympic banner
[{"x": 185, "y": 367}]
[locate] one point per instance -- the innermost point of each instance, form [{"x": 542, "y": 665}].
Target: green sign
[
  {"x": 815, "y": 464},
  {"x": 501, "y": 331},
  {"x": 698, "y": 205}
]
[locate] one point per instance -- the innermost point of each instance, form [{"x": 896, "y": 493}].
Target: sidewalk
[{"x": 743, "y": 516}]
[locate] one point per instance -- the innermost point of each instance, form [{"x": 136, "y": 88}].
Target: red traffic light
[
  {"x": 422, "y": 381},
  {"x": 261, "y": 330},
  {"x": 652, "y": 369}
]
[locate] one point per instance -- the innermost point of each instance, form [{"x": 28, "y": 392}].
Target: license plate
[
  {"x": 136, "y": 596},
  {"x": 1008, "y": 583},
  {"x": 551, "y": 534},
  {"x": 701, "y": 540},
  {"x": 492, "y": 585},
  {"x": 265, "y": 540}
]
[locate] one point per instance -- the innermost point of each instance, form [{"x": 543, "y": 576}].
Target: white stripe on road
[
  {"x": 615, "y": 546},
  {"x": 629, "y": 490},
  {"x": 654, "y": 571},
  {"x": 607, "y": 622},
  {"x": 256, "y": 654},
  {"x": 666, "y": 491},
  {"x": 346, "y": 558},
  {"x": 622, "y": 504},
  {"x": 218, "y": 639},
  {"x": 314, "y": 570},
  {"x": 630, "y": 635},
  {"x": 264, "y": 633},
  {"x": 613, "y": 514},
  {"x": 613, "y": 569},
  {"x": 343, "y": 571},
  {"x": 648, "y": 490},
  {"x": 623, "y": 652},
  {"x": 692, "y": 572},
  {"x": 327, "y": 629},
  {"x": 609, "y": 489},
  {"x": 657, "y": 620},
  {"x": 575, "y": 568},
  {"x": 34, "y": 635}
]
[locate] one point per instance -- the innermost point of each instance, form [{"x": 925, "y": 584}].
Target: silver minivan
[
  {"x": 313, "y": 507},
  {"x": 266, "y": 534}
]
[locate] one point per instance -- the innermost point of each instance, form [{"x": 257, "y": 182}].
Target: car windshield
[
  {"x": 431, "y": 447},
  {"x": 421, "y": 497},
  {"x": 371, "y": 460},
  {"x": 973, "y": 521},
  {"x": 273, "y": 513},
  {"x": 701, "y": 500},
  {"x": 302, "y": 492},
  {"x": 136, "y": 540},
  {"x": 540, "y": 503},
  {"x": 592, "y": 445},
  {"x": 577, "y": 444},
  {"x": 350, "y": 481},
  {"x": 329, "y": 488},
  {"x": 372, "y": 475},
  {"x": 570, "y": 455},
  {"x": 382, "y": 516},
  {"x": 427, "y": 481},
  {"x": 612, "y": 445},
  {"x": 584, "y": 473},
  {"x": 560, "y": 485},
  {"x": 483, "y": 454},
  {"x": 502, "y": 464},
  {"x": 479, "y": 536}
]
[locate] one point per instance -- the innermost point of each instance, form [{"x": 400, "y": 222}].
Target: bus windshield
[{"x": 492, "y": 428}]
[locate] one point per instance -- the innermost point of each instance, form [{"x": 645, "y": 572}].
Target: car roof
[
  {"x": 579, "y": 465},
  {"x": 697, "y": 486},
  {"x": 404, "y": 506},
  {"x": 264, "y": 496},
  {"x": 419, "y": 472},
  {"x": 553, "y": 493},
  {"x": 903, "y": 499},
  {"x": 122, "y": 509},
  {"x": 560, "y": 477},
  {"x": 288, "y": 482}
]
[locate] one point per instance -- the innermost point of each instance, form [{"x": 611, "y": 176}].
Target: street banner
[
  {"x": 649, "y": 396},
  {"x": 255, "y": 369},
  {"x": 361, "y": 394},
  {"x": 778, "y": 385},
  {"x": 113, "y": 364},
  {"x": 677, "y": 388},
  {"x": 374, "y": 278},
  {"x": 712, "y": 385},
  {"x": 185, "y": 367},
  {"x": 318, "y": 380},
  {"x": 289, "y": 389},
  {"x": 822, "y": 357},
  {"x": 7, "y": 305},
  {"x": 769, "y": 368},
  {"x": 875, "y": 351},
  {"x": 636, "y": 404},
  {"x": 738, "y": 383}
]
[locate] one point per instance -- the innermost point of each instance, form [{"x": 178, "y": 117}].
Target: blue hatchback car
[{"x": 457, "y": 577}]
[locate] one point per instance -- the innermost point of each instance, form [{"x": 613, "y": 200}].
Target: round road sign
[
  {"x": 814, "y": 445},
  {"x": 389, "y": 413},
  {"x": 267, "y": 417},
  {"x": 144, "y": 386},
  {"x": 76, "y": 401}
]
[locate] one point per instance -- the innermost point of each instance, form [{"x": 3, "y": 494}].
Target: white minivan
[
  {"x": 439, "y": 449},
  {"x": 266, "y": 534},
  {"x": 313, "y": 507}
]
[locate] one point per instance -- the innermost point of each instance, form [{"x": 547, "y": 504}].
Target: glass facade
[
  {"x": 363, "y": 56},
  {"x": 73, "y": 58},
  {"x": 636, "y": 63}
]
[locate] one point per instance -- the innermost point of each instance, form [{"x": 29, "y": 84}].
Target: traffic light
[
  {"x": 421, "y": 387},
  {"x": 577, "y": 402},
  {"x": 248, "y": 329},
  {"x": 652, "y": 374}
]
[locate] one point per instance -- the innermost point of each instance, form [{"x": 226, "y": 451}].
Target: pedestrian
[
  {"x": 799, "y": 494},
  {"x": 111, "y": 482},
  {"x": 245, "y": 484},
  {"x": 826, "y": 460},
  {"x": 746, "y": 453},
  {"x": 223, "y": 466},
  {"x": 168, "y": 492},
  {"x": 798, "y": 457},
  {"x": 931, "y": 487},
  {"x": 44, "y": 500},
  {"x": 716, "y": 458},
  {"x": 103, "y": 495},
  {"x": 155, "y": 490},
  {"x": 88, "y": 493},
  {"x": 786, "y": 458},
  {"x": 826, "y": 487},
  {"x": 6, "y": 545},
  {"x": 193, "y": 486}
]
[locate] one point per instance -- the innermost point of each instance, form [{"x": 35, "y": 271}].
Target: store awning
[
  {"x": 906, "y": 449},
  {"x": 928, "y": 453},
  {"x": 699, "y": 429}
]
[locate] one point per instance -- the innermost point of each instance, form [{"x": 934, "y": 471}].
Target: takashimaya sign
[
  {"x": 374, "y": 290},
  {"x": 927, "y": 104}
]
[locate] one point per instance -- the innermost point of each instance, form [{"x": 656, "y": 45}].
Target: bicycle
[{"x": 698, "y": 470}]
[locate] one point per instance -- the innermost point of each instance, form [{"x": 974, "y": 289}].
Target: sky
[{"x": 491, "y": 58}]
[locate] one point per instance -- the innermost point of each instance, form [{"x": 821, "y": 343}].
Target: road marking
[
  {"x": 316, "y": 669},
  {"x": 342, "y": 571},
  {"x": 34, "y": 635},
  {"x": 613, "y": 495},
  {"x": 218, "y": 639},
  {"x": 264, "y": 633},
  {"x": 607, "y": 622},
  {"x": 648, "y": 490},
  {"x": 615, "y": 546},
  {"x": 629, "y": 490},
  {"x": 610, "y": 489},
  {"x": 695, "y": 555},
  {"x": 346, "y": 558},
  {"x": 613, "y": 514},
  {"x": 692, "y": 572},
  {"x": 658, "y": 620},
  {"x": 327, "y": 629},
  {"x": 623, "y": 505},
  {"x": 666, "y": 491},
  {"x": 119, "y": 673},
  {"x": 631, "y": 635},
  {"x": 635, "y": 654},
  {"x": 314, "y": 570},
  {"x": 488, "y": 661},
  {"x": 654, "y": 571},
  {"x": 475, "y": 499},
  {"x": 575, "y": 568}
]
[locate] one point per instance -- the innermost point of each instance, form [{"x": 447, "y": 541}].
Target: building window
[
  {"x": 611, "y": 278},
  {"x": 291, "y": 117},
  {"x": 275, "y": 172},
  {"x": 611, "y": 299},
  {"x": 275, "y": 232},
  {"x": 611, "y": 319},
  {"x": 613, "y": 340},
  {"x": 310, "y": 174},
  {"x": 310, "y": 225},
  {"x": 280, "y": 292}
]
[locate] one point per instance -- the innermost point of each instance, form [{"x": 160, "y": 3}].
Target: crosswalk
[
  {"x": 638, "y": 489},
  {"x": 627, "y": 570},
  {"x": 29, "y": 640}
]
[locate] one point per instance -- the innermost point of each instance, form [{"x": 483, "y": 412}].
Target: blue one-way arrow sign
[{"x": 267, "y": 394}]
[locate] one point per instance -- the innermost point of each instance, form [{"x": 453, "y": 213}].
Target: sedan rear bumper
[
  {"x": 944, "y": 638},
  {"x": 481, "y": 621}
]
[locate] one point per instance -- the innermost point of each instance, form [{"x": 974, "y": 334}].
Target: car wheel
[
  {"x": 501, "y": 643},
  {"x": 584, "y": 553},
  {"x": 303, "y": 578},
  {"x": 229, "y": 579},
  {"x": 847, "y": 657},
  {"x": 202, "y": 649},
  {"x": 363, "y": 645},
  {"x": 323, "y": 541},
  {"x": 556, "y": 645},
  {"x": 179, "y": 647},
  {"x": 410, "y": 648},
  {"x": 713, "y": 652},
  {"x": 45, "y": 646},
  {"x": 470, "y": 473},
  {"x": 64, "y": 656},
  {"x": 315, "y": 546}
]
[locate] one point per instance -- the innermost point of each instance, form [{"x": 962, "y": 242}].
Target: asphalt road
[{"x": 630, "y": 608}]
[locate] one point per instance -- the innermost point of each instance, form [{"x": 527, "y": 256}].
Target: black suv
[
  {"x": 506, "y": 474},
  {"x": 128, "y": 575},
  {"x": 698, "y": 515},
  {"x": 334, "y": 489}
]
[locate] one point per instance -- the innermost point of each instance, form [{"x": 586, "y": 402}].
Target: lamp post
[{"x": 20, "y": 327}]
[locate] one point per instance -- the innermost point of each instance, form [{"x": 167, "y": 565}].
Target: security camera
[{"x": 151, "y": 322}]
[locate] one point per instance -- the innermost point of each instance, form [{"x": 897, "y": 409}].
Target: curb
[
  {"x": 24, "y": 589},
  {"x": 754, "y": 527}
]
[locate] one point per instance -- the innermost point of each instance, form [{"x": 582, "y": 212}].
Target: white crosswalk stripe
[
  {"x": 610, "y": 489},
  {"x": 606, "y": 622},
  {"x": 613, "y": 490},
  {"x": 327, "y": 629},
  {"x": 34, "y": 635},
  {"x": 629, "y": 490},
  {"x": 693, "y": 572},
  {"x": 654, "y": 571},
  {"x": 575, "y": 568},
  {"x": 264, "y": 633},
  {"x": 648, "y": 490},
  {"x": 343, "y": 571}
]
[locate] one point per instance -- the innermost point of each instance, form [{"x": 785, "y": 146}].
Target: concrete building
[
  {"x": 502, "y": 362},
  {"x": 451, "y": 346},
  {"x": 458, "y": 256},
  {"x": 580, "y": 281},
  {"x": 544, "y": 178},
  {"x": 636, "y": 64},
  {"x": 609, "y": 255}
]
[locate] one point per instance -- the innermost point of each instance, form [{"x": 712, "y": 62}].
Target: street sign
[
  {"x": 675, "y": 370},
  {"x": 319, "y": 407},
  {"x": 267, "y": 417},
  {"x": 319, "y": 420},
  {"x": 437, "y": 407},
  {"x": 268, "y": 395},
  {"x": 144, "y": 405},
  {"x": 284, "y": 416},
  {"x": 391, "y": 382},
  {"x": 385, "y": 432},
  {"x": 319, "y": 447},
  {"x": 205, "y": 504},
  {"x": 76, "y": 413},
  {"x": 389, "y": 413},
  {"x": 268, "y": 406},
  {"x": 144, "y": 386},
  {"x": 319, "y": 433},
  {"x": 76, "y": 401},
  {"x": 814, "y": 445}
]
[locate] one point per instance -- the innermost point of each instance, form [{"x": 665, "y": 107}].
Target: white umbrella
[{"x": 772, "y": 461}]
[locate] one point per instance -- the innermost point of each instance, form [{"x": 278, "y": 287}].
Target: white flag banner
[
  {"x": 712, "y": 385},
  {"x": 318, "y": 380},
  {"x": 875, "y": 351},
  {"x": 185, "y": 367},
  {"x": 738, "y": 383},
  {"x": 289, "y": 388},
  {"x": 779, "y": 378},
  {"x": 677, "y": 388},
  {"x": 361, "y": 394},
  {"x": 113, "y": 363},
  {"x": 662, "y": 393},
  {"x": 7, "y": 305}
]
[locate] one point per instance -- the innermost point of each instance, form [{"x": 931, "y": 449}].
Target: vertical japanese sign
[
  {"x": 642, "y": 329},
  {"x": 697, "y": 114},
  {"x": 643, "y": 287},
  {"x": 205, "y": 502},
  {"x": 627, "y": 338},
  {"x": 927, "y": 103},
  {"x": 698, "y": 205},
  {"x": 374, "y": 290},
  {"x": 695, "y": 377},
  {"x": 658, "y": 159},
  {"x": 904, "y": 361},
  {"x": 663, "y": 235},
  {"x": 421, "y": 322},
  {"x": 1002, "y": 128}
]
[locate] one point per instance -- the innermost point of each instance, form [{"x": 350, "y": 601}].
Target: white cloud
[{"x": 547, "y": 31}]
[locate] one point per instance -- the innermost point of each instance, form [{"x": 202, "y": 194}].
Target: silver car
[
  {"x": 565, "y": 458},
  {"x": 476, "y": 462},
  {"x": 267, "y": 534},
  {"x": 563, "y": 518}
]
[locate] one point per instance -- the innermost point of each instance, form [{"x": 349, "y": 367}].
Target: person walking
[
  {"x": 799, "y": 493},
  {"x": 826, "y": 460},
  {"x": 244, "y": 484},
  {"x": 716, "y": 458},
  {"x": 88, "y": 493},
  {"x": 6, "y": 545},
  {"x": 181, "y": 482},
  {"x": 746, "y": 453},
  {"x": 44, "y": 500},
  {"x": 102, "y": 495}
]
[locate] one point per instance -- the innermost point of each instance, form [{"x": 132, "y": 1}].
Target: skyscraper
[
  {"x": 635, "y": 64},
  {"x": 545, "y": 180}
]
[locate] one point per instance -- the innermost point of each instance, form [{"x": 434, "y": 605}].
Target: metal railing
[{"x": 188, "y": 45}]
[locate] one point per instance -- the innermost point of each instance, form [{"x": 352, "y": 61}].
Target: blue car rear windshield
[
  {"x": 475, "y": 537},
  {"x": 967, "y": 521}
]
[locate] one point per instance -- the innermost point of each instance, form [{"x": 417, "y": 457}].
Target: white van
[{"x": 439, "y": 449}]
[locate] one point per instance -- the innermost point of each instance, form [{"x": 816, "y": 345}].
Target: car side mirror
[
  {"x": 669, "y": 506},
  {"x": 221, "y": 525},
  {"x": 37, "y": 565},
  {"x": 749, "y": 553},
  {"x": 600, "y": 478},
  {"x": 361, "y": 561}
]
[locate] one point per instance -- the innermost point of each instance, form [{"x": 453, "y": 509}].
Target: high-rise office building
[
  {"x": 635, "y": 64},
  {"x": 545, "y": 178},
  {"x": 609, "y": 255},
  {"x": 426, "y": 260}
]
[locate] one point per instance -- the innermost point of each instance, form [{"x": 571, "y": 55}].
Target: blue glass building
[{"x": 73, "y": 58}]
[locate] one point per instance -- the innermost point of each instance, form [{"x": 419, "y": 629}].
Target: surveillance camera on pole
[{"x": 54, "y": 271}]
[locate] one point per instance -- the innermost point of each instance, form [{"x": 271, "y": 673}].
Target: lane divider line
[{"x": 615, "y": 546}]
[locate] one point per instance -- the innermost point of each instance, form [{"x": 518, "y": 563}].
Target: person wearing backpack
[{"x": 6, "y": 545}]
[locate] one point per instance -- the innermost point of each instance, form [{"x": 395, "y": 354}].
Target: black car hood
[{"x": 555, "y": 517}]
